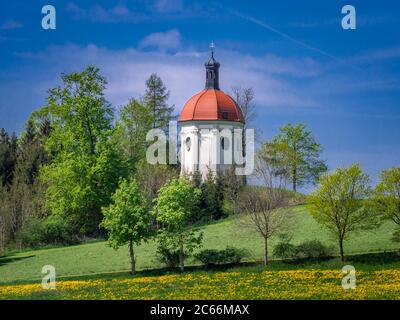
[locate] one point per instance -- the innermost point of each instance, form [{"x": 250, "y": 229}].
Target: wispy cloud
[
  {"x": 162, "y": 40},
  {"x": 140, "y": 11},
  {"x": 373, "y": 20},
  {"x": 280, "y": 33},
  {"x": 98, "y": 13},
  {"x": 11, "y": 24},
  {"x": 378, "y": 55},
  {"x": 316, "y": 23},
  {"x": 362, "y": 21},
  {"x": 167, "y": 6}
]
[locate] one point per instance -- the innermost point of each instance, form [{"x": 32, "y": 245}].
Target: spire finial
[
  {"x": 212, "y": 46},
  {"x": 212, "y": 70}
]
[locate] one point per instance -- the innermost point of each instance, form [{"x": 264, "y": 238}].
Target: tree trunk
[
  {"x": 265, "y": 251},
  {"x": 341, "y": 249},
  {"x": 294, "y": 179},
  {"x": 132, "y": 255},
  {"x": 154, "y": 108},
  {"x": 181, "y": 257}
]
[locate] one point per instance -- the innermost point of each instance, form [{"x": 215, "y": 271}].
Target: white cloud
[
  {"x": 285, "y": 87},
  {"x": 183, "y": 73},
  {"x": 162, "y": 40},
  {"x": 11, "y": 24}
]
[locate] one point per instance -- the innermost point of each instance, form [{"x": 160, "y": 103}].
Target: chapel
[{"x": 208, "y": 122}]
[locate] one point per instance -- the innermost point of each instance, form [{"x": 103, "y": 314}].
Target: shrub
[
  {"x": 167, "y": 256},
  {"x": 212, "y": 257},
  {"x": 167, "y": 252},
  {"x": 211, "y": 198},
  {"x": 313, "y": 249},
  {"x": 32, "y": 233},
  {"x": 396, "y": 236},
  {"x": 227, "y": 207},
  {"x": 57, "y": 230},
  {"x": 52, "y": 230},
  {"x": 285, "y": 250}
]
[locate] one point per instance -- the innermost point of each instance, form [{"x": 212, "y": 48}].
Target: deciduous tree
[
  {"x": 177, "y": 202},
  {"x": 295, "y": 152},
  {"x": 87, "y": 166},
  {"x": 152, "y": 177},
  {"x": 127, "y": 219},
  {"x": 340, "y": 203},
  {"x": 244, "y": 97},
  {"x": 266, "y": 208},
  {"x": 387, "y": 195},
  {"x": 4, "y": 218}
]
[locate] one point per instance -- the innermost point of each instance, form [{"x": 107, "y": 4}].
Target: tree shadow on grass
[
  {"x": 378, "y": 258},
  {"x": 159, "y": 272},
  {"x": 375, "y": 258},
  {"x": 9, "y": 259},
  {"x": 188, "y": 269},
  {"x": 305, "y": 261},
  {"x": 372, "y": 259},
  {"x": 211, "y": 268}
]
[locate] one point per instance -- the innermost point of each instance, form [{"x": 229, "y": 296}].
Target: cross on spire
[{"x": 212, "y": 46}]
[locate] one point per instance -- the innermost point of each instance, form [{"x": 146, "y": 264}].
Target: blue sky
[{"x": 344, "y": 84}]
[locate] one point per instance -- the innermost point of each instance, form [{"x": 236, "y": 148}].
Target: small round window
[
  {"x": 188, "y": 143},
  {"x": 224, "y": 143}
]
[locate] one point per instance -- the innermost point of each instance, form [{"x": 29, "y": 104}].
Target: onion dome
[{"x": 211, "y": 103}]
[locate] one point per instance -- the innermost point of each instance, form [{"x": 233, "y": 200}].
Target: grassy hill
[{"x": 95, "y": 257}]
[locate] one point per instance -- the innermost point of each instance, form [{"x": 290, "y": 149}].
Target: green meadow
[{"x": 95, "y": 258}]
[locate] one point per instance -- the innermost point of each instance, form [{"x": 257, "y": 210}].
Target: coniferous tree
[
  {"x": 8, "y": 149},
  {"x": 155, "y": 99},
  {"x": 25, "y": 198},
  {"x": 135, "y": 120}
]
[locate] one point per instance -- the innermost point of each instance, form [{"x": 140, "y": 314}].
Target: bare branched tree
[
  {"x": 245, "y": 99},
  {"x": 151, "y": 178},
  {"x": 265, "y": 209},
  {"x": 4, "y": 219}
]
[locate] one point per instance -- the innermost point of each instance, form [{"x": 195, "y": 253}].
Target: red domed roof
[{"x": 211, "y": 104}]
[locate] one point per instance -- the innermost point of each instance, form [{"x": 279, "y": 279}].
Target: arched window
[
  {"x": 188, "y": 143},
  {"x": 224, "y": 143}
]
